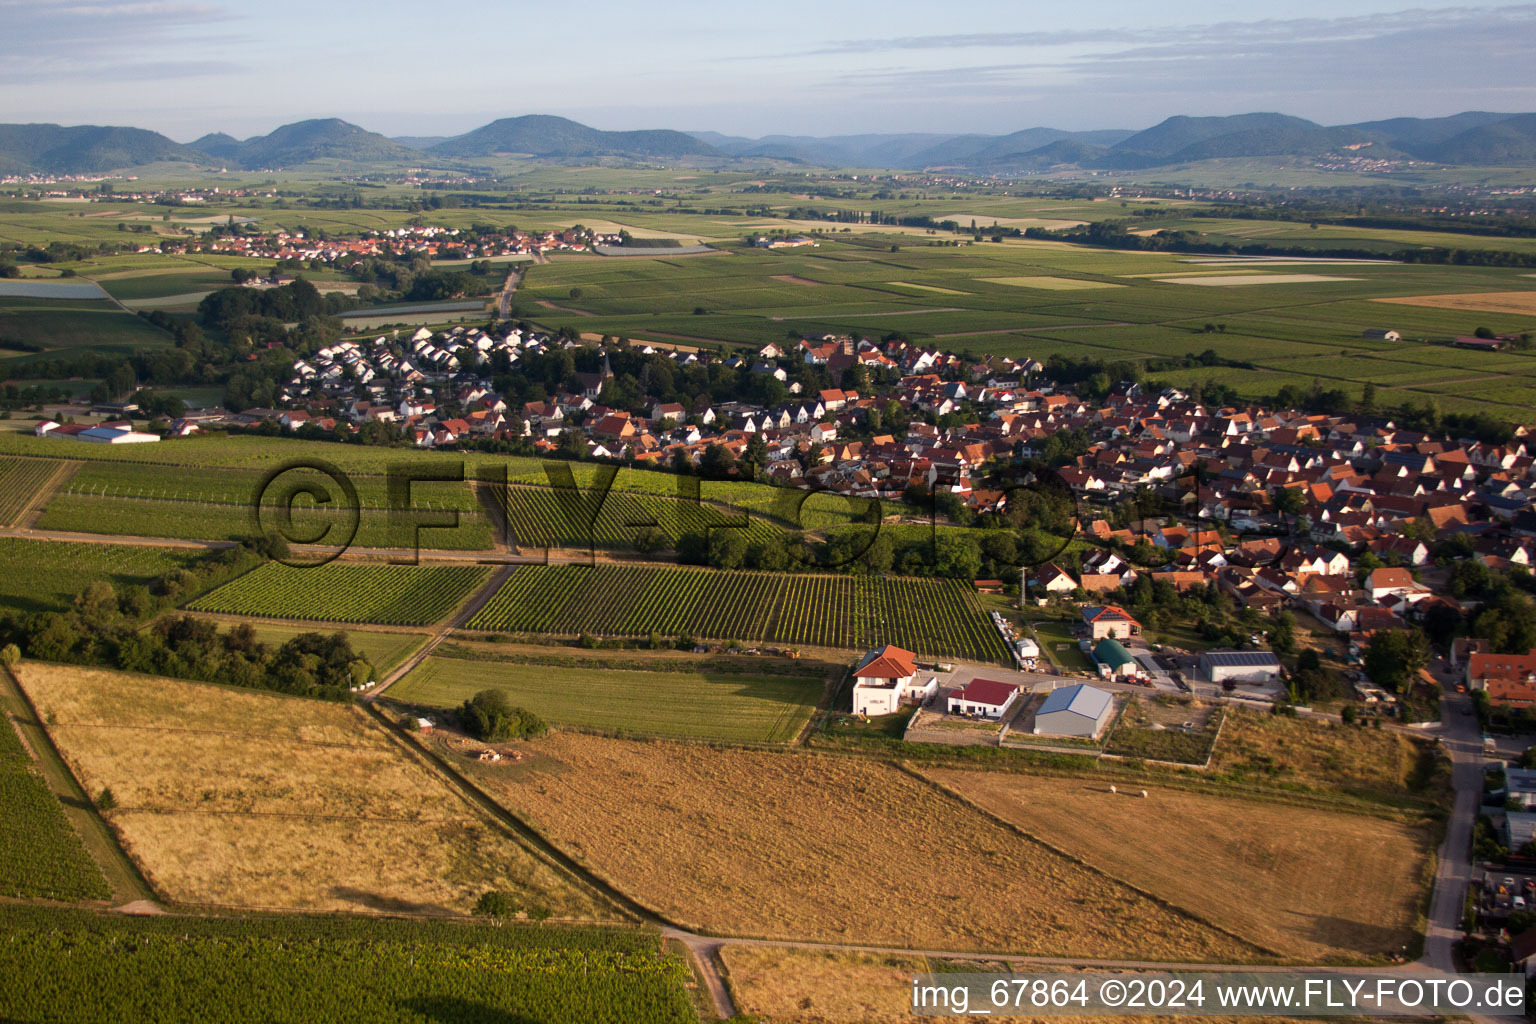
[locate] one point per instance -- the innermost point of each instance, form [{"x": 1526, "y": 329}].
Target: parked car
[{"x": 1519, "y": 903}]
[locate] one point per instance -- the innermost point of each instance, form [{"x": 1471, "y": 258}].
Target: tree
[
  {"x": 1282, "y": 635},
  {"x": 650, "y": 539},
  {"x": 489, "y": 715},
  {"x": 727, "y": 548},
  {"x": 1395, "y": 656},
  {"x": 10, "y": 654},
  {"x": 717, "y": 462}
]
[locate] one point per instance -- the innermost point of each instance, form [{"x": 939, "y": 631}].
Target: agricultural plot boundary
[{"x": 938, "y": 617}]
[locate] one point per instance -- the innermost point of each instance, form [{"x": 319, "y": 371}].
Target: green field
[
  {"x": 395, "y": 595},
  {"x": 70, "y": 965},
  {"x": 69, "y": 326},
  {"x": 38, "y": 575},
  {"x": 41, "y": 856},
  {"x": 937, "y": 617},
  {"x": 702, "y": 704}
]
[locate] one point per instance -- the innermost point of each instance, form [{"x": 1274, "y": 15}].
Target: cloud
[
  {"x": 1285, "y": 31},
  {"x": 105, "y": 39},
  {"x": 1419, "y": 54}
]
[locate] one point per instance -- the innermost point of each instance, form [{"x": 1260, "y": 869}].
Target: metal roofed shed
[
  {"x": 1113, "y": 659},
  {"x": 1240, "y": 666},
  {"x": 1079, "y": 710}
]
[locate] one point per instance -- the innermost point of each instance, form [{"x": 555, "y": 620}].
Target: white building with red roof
[
  {"x": 985, "y": 698},
  {"x": 886, "y": 677}
]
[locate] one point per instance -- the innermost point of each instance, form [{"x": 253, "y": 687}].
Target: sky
[{"x": 828, "y": 67}]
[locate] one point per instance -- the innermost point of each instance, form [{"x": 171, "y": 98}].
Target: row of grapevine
[
  {"x": 549, "y": 517},
  {"x": 20, "y": 480},
  {"x": 40, "y": 855},
  {"x": 934, "y": 617},
  {"x": 404, "y": 595},
  {"x": 199, "y": 520}
]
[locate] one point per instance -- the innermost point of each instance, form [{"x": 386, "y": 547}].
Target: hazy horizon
[{"x": 190, "y": 67}]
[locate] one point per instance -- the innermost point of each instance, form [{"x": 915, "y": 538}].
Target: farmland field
[
  {"x": 771, "y": 844},
  {"x": 38, "y": 575},
  {"x": 72, "y": 965},
  {"x": 400, "y": 595},
  {"x": 1266, "y": 871},
  {"x": 238, "y": 799},
  {"x": 41, "y": 856},
  {"x": 701, "y": 704},
  {"x": 935, "y": 617}
]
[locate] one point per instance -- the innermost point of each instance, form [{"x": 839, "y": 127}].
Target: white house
[
  {"x": 886, "y": 677},
  {"x": 986, "y": 698}
]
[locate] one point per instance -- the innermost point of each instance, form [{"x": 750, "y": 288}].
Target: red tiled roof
[
  {"x": 986, "y": 691},
  {"x": 889, "y": 662}
]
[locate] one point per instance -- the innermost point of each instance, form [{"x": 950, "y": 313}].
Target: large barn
[{"x": 1080, "y": 710}]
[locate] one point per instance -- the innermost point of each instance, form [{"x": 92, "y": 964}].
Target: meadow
[
  {"x": 679, "y": 703},
  {"x": 235, "y": 799},
  {"x": 72, "y": 965},
  {"x": 41, "y": 856},
  {"x": 1341, "y": 761},
  {"x": 1311, "y": 884},
  {"x": 939, "y": 617},
  {"x": 803, "y": 846},
  {"x": 397, "y": 595}
]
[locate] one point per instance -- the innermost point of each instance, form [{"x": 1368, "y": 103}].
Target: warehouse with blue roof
[{"x": 1079, "y": 710}]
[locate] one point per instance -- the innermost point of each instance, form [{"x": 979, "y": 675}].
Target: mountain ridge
[{"x": 1470, "y": 138}]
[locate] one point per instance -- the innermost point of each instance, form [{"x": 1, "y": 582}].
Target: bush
[{"x": 496, "y": 904}]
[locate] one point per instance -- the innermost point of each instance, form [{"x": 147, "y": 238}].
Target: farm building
[
  {"x": 1114, "y": 660},
  {"x": 1486, "y": 344},
  {"x": 886, "y": 677},
  {"x": 987, "y": 698},
  {"x": 1080, "y": 710},
  {"x": 1381, "y": 334},
  {"x": 1239, "y": 666},
  {"x": 1109, "y": 621}
]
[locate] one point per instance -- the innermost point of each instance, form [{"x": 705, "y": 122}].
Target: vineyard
[
  {"x": 396, "y": 595},
  {"x": 555, "y": 517},
  {"x": 40, "y": 855},
  {"x": 38, "y": 575},
  {"x": 21, "y": 480},
  {"x": 126, "y": 499},
  {"x": 931, "y": 617},
  {"x": 68, "y": 965}
]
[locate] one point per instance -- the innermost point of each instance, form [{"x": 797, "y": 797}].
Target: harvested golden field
[
  {"x": 1275, "y": 749},
  {"x": 805, "y": 986},
  {"x": 1307, "y": 883},
  {"x": 1519, "y": 303},
  {"x": 838, "y": 849},
  {"x": 253, "y": 800}
]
